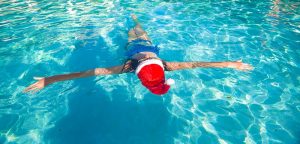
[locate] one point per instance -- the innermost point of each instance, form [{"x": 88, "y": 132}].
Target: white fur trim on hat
[{"x": 148, "y": 62}]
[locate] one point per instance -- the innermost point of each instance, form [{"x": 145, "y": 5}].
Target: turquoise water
[{"x": 40, "y": 38}]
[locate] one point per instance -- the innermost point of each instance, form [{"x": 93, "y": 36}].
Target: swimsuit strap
[{"x": 144, "y": 59}]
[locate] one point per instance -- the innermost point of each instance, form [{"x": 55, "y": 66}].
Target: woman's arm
[
  {"x": 239, "y": 65},
  {"x": 43, "y": 82}
]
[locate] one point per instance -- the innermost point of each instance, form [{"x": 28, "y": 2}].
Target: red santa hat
[{"x": 151, "y": 73}]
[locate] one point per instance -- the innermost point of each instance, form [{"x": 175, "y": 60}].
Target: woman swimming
[{"x": 143, "y": 60}]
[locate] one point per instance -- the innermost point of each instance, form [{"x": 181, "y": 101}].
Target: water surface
[{"x": 41, "y": 38}]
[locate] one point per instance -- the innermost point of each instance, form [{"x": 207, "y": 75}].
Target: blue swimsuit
[
  {"x": 140, "y": 45},
  {"x": 137, "y": 46}
]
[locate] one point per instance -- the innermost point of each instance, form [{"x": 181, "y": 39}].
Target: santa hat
[{"x": 151, "y": 73}]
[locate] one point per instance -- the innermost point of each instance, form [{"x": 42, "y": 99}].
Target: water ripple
[{"x": 40, "y": 38}]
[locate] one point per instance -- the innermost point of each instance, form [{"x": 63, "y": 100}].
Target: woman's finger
[
  {"x": 247, "y": 67},
  {"x": 30, "y": 87},
  {"x": 35, "y": 90}
]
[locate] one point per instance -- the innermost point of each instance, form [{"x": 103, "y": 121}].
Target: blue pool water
[{"x": 40, "y": 38}]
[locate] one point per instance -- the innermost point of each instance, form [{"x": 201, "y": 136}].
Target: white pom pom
[{"x": 170, "y": 81}]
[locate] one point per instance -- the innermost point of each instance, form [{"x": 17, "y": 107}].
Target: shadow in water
[{"x": 95, "y": 118}]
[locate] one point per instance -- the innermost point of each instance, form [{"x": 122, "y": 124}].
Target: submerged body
[{"x": 143, "y": 59}]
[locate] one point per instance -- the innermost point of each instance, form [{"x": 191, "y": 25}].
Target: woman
[{"x": 144, "y": 61}]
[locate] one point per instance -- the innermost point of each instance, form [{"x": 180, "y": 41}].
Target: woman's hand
[
  {"x": 40, "y": 84},
  {"x": 239, "y": 65}
]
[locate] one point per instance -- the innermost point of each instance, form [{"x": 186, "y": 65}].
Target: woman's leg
[{"x": 137, "y": 32}]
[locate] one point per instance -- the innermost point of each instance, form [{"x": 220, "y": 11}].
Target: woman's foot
[{"x": 134, "y": 18}]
